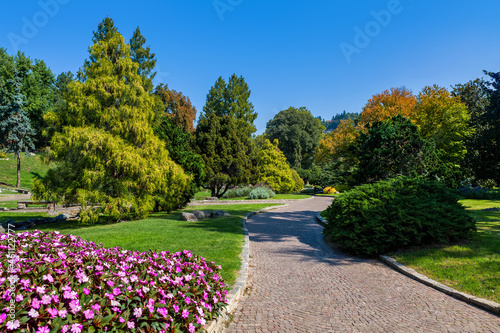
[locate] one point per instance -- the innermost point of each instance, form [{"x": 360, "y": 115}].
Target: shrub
[
  {"x": 479, "y": 193},
  {"x": 298, "y": 182},
  {"x": 308, "y": 190},
  {"x": 329, "y": 190},
  {"x": 387, "y": 215},
  {"x": 69, "y": 283},
  {"x": 342, "y": 188},
  {"x": 237, "y": 192},
  {"x": 261, "y": 193}
]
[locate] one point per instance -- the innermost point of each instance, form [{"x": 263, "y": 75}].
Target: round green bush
[{"x": 372, "y": 219}]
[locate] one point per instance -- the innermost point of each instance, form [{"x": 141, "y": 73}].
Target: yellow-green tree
[
  {"x": 336, "y": 143},
  {"x": 273, "y": 169},
  {"x": 107, "y": 152},
  {"x": 442, "y": 118}
]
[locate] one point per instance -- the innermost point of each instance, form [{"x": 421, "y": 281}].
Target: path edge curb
[
  {"x": 410, "y": 272},
  {"x": 218, "y": 325}
]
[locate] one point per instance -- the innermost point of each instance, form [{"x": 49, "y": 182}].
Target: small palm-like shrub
[
  {"x": 391, "y": 214},
  {"x": 61, "y": 283},
  {"x": 261, "y": 193}
]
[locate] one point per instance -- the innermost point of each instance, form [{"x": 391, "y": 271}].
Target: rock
[
  {"x": 188, "y": 217},
  {"x": 199, "y": 214},
  {"x": 211, "y": 198},
  {"x": 219, "y": 213},
  {"x": 61, "y": 218},
  {"x": 2, "y": 230},
  {"x": 21, "y": 206},
  {"x": 4, "y": 209}
]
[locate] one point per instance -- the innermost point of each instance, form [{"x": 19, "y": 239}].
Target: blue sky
[{"x": 326, "y": 55}]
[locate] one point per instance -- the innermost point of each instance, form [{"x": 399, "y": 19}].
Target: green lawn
[
  {"x": 19, "y": 216},
  {"x": 218, "y": 239},
  {"x": 31, "y": 167},
  {"x": 472, "y": 266}
]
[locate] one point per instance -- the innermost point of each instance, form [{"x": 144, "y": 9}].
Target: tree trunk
[{"x": 18, "y": 185}]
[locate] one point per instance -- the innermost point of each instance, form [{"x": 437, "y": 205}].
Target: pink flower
[
  {"x": 96, "y": 307},
  {"x": 163, "y": 312},
  {"x": 130, "y": 324},
  {"x": 116, "y": 291},
  {"x": 200, "y": 320},
  {"x": 137, "y": 312},
  {"x": 3, "y": 316},
  {"x": 191, "y": 328},
  {"x": 185, "y": 313},
  {"x": 46, "y": 299},
  {"x": 44, "y": 329},
  {"x": 76, "y": 328},
  {"x": 110, "y": 296},
  {"x": 40, "y": 290},
  {"x": 110, "y": 283},
  {"x": 33, "y": 313},
  {"x": 86, "y": 291},
  {"x": 65, "y": 328},
  {"x": 35, "y": 303},
  {"x": 89, "y": 314},
  {"x": 63, "y": 313},
  {"x": 62, "y": 255},
  {"x": 121, "y": 320},
  {"x": 12, "y": 325},
  {"x": 48, "y": 278},
  {"x": 55, "y": 298},
  {"x": 176, "y": 308},
  {"x": 19, "y": 298},
  {"x": 53, "y": 312},
  {"x": 188, "y": 300}
]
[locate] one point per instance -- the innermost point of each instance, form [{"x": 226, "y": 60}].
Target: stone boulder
[
  {"x": 200, "y": 214},
  {"x": 219, "y": 213},
  {"x": 212, "y": 198},
  {"x": 188, "y": 217}
]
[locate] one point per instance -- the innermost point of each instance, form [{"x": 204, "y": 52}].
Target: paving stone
[{"x": 298, "y": 284}]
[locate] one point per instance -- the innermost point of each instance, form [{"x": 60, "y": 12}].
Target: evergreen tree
[
  {"x": 108, "y": 152},
  {"x": 225, "y": 153},
  {"x": 232, "y": 99},
  {"x": 144, "y": 57},
  {"x": 15, "y": 127}
]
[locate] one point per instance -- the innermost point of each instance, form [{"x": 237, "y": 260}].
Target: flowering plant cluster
[
  {"x": 66, "y": 284},
  {"x": 329, "y": 190}
]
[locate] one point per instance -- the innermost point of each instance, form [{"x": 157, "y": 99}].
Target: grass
[
  {"x": 20, "y": 216},
  {"x": 31, "y": 167},
  {"x": 472, "y": 266},
  {"x": 218, "y": 239}
]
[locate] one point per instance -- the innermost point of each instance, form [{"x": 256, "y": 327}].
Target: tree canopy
[
  {"x": 232, "y": 99},
  {"x": 177, "y": 107},
  {"x": 225, "y": 153},
  {"x": 298, "y": 133},
  {"x": 107, "y": 152},
  {"x": 387, "y": 104}
]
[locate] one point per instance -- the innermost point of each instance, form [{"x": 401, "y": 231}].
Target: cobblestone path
[{"x": 297, "y": 284}]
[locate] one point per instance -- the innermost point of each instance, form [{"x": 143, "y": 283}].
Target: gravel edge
[
  {"x": 218, "y": 325},
  {"x": 410, "y": 272}
]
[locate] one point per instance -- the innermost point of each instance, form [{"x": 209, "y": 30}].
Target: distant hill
[{"x": 332, "y": 124}]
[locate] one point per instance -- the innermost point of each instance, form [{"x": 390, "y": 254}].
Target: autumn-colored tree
[
  {"x": 108, "y": 153},
  {"x": 444, "y": 119},
  {"x": 177, "y": 107},
  {"x": 387, "y": 104},
  {"x": 335, "y": 144}
]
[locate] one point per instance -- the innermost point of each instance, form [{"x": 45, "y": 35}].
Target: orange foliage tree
[
  {"x": 334, "y": 145},
  {"x": 177, "y": 107},
  {"x": 388, "y": 104}
]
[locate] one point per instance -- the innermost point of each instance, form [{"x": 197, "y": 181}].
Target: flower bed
[{"x": 65, "y": 284}]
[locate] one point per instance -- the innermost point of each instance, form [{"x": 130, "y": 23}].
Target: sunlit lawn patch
[{"x": 472, "y": 266}]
